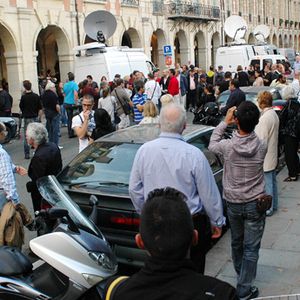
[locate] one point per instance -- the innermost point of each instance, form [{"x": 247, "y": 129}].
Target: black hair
[
  {"x": 102, "y": 118},
  {"x": 228, "y": 74},
  {"x": 210, "y": 88},
  {"x": 172, "y": 71},
  {"x": 166, "y": 224},
  {"x": 139, "y": 85},
  {"x": 235, "y": 83},
  {"x": 248, "y": 115},
  {"x": 27, "y": 85},
  {"x": 89, "y": 77},
  {"x": 71, "y": 76}
]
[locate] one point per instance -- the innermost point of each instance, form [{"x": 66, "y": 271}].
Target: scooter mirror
[{"x": 93, "y": 200}]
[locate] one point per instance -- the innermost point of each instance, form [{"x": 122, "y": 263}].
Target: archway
[
  {"x": 131, "y": 39},
  {"x": 251, "y": 39},
  {"x": 291, "y": 42},
  {"x": 9, "y": 63},
  {"x": 295, "y": 43},
  {"x": 286, "y": 41},
  {"x": 181, "y": 48},
  {"x": 200, "y": 50},
  {"x": 280, "y": 41},
  {"x": 274, "y": 40},
  {"x": 215, "y": 43},
  {"x": 53, "y": 52},
  {"x": 158, "y": 40}
]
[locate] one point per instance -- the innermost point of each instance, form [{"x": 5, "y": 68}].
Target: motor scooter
[{"x": 74, "y": 261}]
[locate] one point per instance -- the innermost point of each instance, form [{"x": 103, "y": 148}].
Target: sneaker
[
  {"x": 253, "y": 293},
  {"x": 269, "y": 213},
  {"x": 60, "y": 147}
]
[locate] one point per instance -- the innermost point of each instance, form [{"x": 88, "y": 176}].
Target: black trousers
[
  {"x": 291, "y": 155},
  {"x": 198, "y": 252},
  {"x": 191, "y": 98}
]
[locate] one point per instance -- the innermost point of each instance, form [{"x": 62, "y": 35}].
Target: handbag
[
  {"x": 116, "y": 116},
  {"x": 263, "y": 203}
]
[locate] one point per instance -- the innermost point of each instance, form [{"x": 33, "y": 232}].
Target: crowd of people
[{"x": 180, "y": 200}]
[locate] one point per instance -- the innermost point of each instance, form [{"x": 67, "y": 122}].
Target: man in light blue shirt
[
  {"x": 171, "y": 162},
  {"x": 71, "y": 95},
  {"x": 8, "y": 189}
]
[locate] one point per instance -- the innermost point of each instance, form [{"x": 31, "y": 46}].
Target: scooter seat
[{"x": 13, "y": 262}]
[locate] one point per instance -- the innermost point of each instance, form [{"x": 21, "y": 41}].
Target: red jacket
[{"x": 173, "y": 87}]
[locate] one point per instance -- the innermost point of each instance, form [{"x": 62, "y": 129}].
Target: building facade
[{"x": 37, "y": 35}]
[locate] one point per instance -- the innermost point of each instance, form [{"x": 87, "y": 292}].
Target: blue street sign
[{"x": 167, "y": 50}]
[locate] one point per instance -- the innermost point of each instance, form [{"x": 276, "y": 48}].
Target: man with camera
[
  {"x": 83, "y": 124},
  {"x": 243, "y": 190}
]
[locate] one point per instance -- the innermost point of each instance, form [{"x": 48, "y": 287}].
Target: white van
[
  {"x": 289, "y": 53},
  {"x": 262, "y": 60},
  {"x": 231, "y": 56},
  {"x": 98, "y": 60}
]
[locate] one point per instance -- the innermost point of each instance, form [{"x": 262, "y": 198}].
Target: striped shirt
[
  {"x": 138, "y": 99},
  {"x": 7, "y": 177}
]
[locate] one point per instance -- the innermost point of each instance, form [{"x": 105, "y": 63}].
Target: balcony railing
[
  {"x": 158, "y": 7},
  {"x": 188, "y": 10},
  {"x": 133, "y": 3}
]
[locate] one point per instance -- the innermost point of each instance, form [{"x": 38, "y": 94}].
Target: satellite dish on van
[
  {"x": 261, "y": 32},
  {"x": 100, "y": 25},
  {"x": 235, "y": 27}
]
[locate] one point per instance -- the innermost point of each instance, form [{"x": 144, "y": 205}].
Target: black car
[
  {"x": 11, "y": 127},
  {"x": 103, "y": 169}
]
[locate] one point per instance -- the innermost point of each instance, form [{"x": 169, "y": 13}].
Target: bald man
[{"x": 169, "y": 161}]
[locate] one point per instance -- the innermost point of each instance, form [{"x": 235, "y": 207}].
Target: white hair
[
  {"x": 172, "y": 118},
  {"x": 50, "y": 85},
  {"x": 37, "y": 132},
  {"x": 288, "y": 93}
]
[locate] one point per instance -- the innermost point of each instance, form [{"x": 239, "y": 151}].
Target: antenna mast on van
[{"x": 236, "y": 27}]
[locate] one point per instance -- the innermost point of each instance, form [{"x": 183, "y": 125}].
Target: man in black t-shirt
[
  {"x": 30, "y": 106},
  {"x": 167, "y": 232}
]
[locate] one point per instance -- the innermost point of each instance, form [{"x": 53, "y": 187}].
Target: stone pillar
[
  {"x": 14, "y": 62},
  {"x": 202, "y": 58},
  {"x": 28, "y": 64},
  {"x": 184, "y": 55},
  {"x": 66, "y": 64},
  {"x": 161, "y": 59}
]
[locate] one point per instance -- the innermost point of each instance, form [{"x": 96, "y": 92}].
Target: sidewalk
[{"x": 278, "y": 270}]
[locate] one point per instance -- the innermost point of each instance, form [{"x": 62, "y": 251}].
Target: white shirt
[
  {"x": 152, "y": 88},
  {"x": 77, "y": 122},
  {"x": 109, "y": 104}
]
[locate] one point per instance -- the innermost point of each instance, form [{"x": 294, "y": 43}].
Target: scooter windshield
[{"x": 53, "y": 193}]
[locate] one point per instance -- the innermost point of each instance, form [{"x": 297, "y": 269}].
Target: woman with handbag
[
  {"x": 289, "y": 131},
  {"x": 108, "y": 102}
]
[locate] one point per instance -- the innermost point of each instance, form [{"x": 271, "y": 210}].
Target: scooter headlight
[{"x": 103, "y": 260}]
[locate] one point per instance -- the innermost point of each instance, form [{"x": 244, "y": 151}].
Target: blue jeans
[
  {"x": 26, "y": 122},
  {"x": 271, "y": 188},
  {"x": 63, "y": 115},
  {"x": 52, "y": 126},
  {"x": 247, "y": 227}
]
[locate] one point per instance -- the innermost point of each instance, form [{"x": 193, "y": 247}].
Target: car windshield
[{"x": 101, "y": 165}]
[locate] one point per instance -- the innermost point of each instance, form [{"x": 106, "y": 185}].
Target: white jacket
[{"x": 267, "y": 129}]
